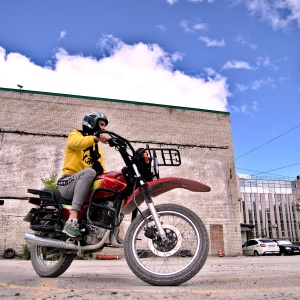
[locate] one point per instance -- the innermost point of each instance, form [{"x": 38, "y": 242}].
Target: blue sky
[{"x": 241, "y": 56}]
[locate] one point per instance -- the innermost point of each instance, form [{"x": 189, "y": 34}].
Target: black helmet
[{"x": 90, "y": 122}]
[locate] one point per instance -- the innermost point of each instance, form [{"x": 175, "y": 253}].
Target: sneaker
[{"x": 71, "y": 228}]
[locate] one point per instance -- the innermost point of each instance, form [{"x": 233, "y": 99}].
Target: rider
[{"x": 82, "y": 162}]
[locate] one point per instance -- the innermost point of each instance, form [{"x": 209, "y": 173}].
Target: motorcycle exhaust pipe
[{"x": 34, "y": 240}]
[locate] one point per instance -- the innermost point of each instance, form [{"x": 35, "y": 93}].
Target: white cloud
[
  {"x": 171, "y": 2},
  {"x": 185, "y": 25},
  {"x": 161, "y": 28},
  {"x": 260, "y": 62},
  {"x": 242, "y": 41},
  {"x": 266, "y": 62},
  {"x": 257, "y": 84},
  {"x": 241, "y": 87},
  {"x": 200, "y": 1},
  {"x": 140, "y": 72},
  {"x": 62, "y": 34},
  {"x": 281, "y": 14},
  {"x": 210, "y": 72},
  {"x": 197, "y": 26},
  {"x": 245, "y": 109},
  {"x": 235, "y": 64},
  {"x": 212, "y": 43},
  {"x": 177, "y": 56}
]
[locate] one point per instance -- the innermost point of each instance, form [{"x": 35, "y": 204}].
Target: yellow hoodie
[{"x": 78, "y": 153}]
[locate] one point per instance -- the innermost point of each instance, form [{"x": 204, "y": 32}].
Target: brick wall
[{"x": 34, "y": 127}]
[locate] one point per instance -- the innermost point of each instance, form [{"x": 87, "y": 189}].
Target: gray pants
[{"x": 76, "y": 187}]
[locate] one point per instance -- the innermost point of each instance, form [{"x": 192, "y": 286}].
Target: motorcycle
[{"x": 165, "y": 245}]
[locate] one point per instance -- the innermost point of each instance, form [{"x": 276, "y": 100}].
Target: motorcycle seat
[{"x": 50, "y": 195}]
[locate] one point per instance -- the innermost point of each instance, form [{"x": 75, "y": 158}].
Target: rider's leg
[{"x": 75, "y": 187}]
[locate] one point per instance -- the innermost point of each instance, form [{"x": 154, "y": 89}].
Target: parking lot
[{"x": 269, "y": 277}]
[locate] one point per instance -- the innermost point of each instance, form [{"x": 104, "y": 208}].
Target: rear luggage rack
[{"x": 48, "y": 211}]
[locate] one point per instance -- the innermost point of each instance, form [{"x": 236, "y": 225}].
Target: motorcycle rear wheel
[
  {"x": 48, "y": 261},
  {"x": 174, "y": 263}
]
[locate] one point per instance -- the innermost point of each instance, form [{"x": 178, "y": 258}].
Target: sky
[{"x": 239, "y": 56}]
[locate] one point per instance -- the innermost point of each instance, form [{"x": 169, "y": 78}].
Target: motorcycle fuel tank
[{"x": 111, "y": 180}]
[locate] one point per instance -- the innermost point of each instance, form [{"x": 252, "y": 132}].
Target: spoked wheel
[
  {"x": 167, "y": 264},
  {"x": 48, "y": 261}
]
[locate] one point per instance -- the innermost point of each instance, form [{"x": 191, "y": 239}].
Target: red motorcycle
[{"x": 166, "y": 244}]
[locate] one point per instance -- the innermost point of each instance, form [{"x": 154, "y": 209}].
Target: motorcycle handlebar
[
  {"x": 112, "y": 142},
  {"x": 97, "y": 133},
  {"x": 115, "y": 140}
]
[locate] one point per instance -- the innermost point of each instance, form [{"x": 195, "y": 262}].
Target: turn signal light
[{"x": 146, "y": 158}]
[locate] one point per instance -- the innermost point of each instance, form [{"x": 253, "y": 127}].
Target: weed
[
  {"x": 50, "y": 183},
  {"x": 26, "y": 253}
]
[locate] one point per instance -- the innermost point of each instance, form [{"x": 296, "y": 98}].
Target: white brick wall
[{"x": 34, "y": 127}]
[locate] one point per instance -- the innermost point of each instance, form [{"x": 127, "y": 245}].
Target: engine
[{"x": 92, "y": 234}]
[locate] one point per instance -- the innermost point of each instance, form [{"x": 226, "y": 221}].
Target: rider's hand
[{"x": 103, "y": 138}]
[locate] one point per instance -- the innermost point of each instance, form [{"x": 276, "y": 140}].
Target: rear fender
[{"x": 160, "y": 186}]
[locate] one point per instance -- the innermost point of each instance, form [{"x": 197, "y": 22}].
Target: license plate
[
  {"x": 296, "y": 251},
  {"x": 271, "y": 246}
]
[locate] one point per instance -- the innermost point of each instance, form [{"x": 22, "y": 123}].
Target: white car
[{"x": 260, "y": 246}]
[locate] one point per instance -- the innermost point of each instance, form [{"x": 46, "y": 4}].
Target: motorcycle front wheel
[{"x": 168, "y": 264}]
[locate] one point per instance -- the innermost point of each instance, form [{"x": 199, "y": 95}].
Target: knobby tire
[{"x": 172, "y": 264}]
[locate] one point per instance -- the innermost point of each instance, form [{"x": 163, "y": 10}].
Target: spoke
[
  {"x": 49, "y": 257},
  {"x": 166, "y": 259}
]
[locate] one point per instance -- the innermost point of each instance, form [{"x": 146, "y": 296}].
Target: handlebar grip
[
  {"x": 97, "y": 133},
  {"x": 111, "y": 142}
]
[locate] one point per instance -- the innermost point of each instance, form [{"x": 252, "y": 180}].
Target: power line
[
  {"x": 276, "y": 169},
  {"x": 258, "y": 172},
  {"x": 267, "y": 142},
  {"x": 269, "y": 170}
]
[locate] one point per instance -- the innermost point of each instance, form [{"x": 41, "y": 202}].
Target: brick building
[{"x": 33, "y": 131}]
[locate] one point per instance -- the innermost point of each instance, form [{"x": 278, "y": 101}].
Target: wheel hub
[{"x": 174, "y": 244}]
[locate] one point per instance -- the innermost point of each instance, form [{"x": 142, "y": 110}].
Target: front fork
[{"x": 150, "y": 204}]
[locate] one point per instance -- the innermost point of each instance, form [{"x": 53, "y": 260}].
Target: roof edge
[{"x": 111, "y": 100}]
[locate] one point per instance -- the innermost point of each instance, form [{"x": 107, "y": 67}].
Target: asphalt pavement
[{"x": 269, "y": 277}]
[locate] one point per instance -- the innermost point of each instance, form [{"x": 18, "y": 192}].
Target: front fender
[{"x": 160, "y": 186}]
